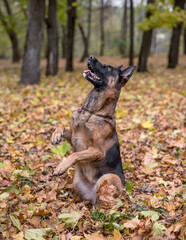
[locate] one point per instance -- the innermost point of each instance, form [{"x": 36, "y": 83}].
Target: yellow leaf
[
  {"x": 76, "y": 238},
  {"x": 120, "y": 113},
  {"x": 147, "y": 124}
]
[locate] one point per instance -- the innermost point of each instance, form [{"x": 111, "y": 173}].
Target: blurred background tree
[{"x": 69, "y": 28}]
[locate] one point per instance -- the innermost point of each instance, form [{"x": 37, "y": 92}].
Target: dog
[{"x": 92, "y": 135}]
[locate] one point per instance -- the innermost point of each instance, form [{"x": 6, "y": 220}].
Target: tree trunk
[
  {"x": 71, "y": 15},
  {"x": 89, "y": 26},
  {"x": 102, "y": 29},
  {"x": 153, "y": 43},
  {"x": 52, "y": 35},
  {"x": 175, "y": 39},
  {"x": 86, "y": 39},
  {"x": 145, "y": 45},
  {"x": 63, "y": 41},
  {"x": 185, "y": 41},
  {"x": 123, "y": 44},
  {"x": 131, "y": 51},
  {"x": 31, "y": 60},
  {"x": 11, "y": 33}
]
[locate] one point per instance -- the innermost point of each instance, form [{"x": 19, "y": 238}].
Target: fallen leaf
[
  {"x": 94, "y": 236},
  {"x": 158, "y": 228},
  {"x": 169, "y": 159},
  {"x": 177, "y": 226},
  {"x": 6, "y": 169},
  {"x": 61, "y": 149},
  {"x": 15, "y": 222},
  {"x": 154, "y": 215},
  {"x": 117, "y": 235},
  {"x": 132, "y": 224},
  {"x": 70, "y": 219},
  {"x": 18, "y": 236},
  {"x": 36, "y": 234},
  {"x": 147, "y": 124}
]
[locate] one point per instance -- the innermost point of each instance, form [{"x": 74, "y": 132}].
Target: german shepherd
[{"x": 92, "y": 135}]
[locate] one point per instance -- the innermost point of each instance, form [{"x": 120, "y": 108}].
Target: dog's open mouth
[{"x": 90, "y": 73}]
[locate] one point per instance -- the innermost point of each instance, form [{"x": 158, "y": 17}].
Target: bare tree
[
  {"x": 102, "y": 39},
  {"x": 71, "y": 15},
  {"x": 184, "y": 41},
  {"x": 11, "y": 32},
  {"x": 31, "y": 60},
  {"x": 52, "y": 35},
  {"x": 123, "y": 44},
  {"x": 175, "y": 39},
  {"x": 86, "y": 38},
  {"x": 145, "y": 45},
  {"x": 63, "y": 41},
  {"x": 131, "y": 51}
]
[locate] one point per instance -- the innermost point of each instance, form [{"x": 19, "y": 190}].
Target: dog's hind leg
[{"x": 108, "y": 187}]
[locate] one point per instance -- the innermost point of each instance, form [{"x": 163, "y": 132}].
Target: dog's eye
[{"x": 109, "y": 69}]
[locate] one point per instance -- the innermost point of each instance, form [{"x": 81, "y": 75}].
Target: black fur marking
[{"x": 113, "y": 161}]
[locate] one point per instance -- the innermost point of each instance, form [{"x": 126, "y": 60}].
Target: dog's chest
[
  {"x": 79, "y": 118},
  {"x": 80, "y": 134}
]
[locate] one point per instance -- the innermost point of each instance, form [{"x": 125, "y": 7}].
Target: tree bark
[
  {"x": 89, "y": 26},
  {"x": 131, "y": 51},
  {"x": 31, "y": 60},
  {"x": 85, "y": 41},
  {"x": 175, "y": 39},
  {"x": 86, "y": 38},
  {"x": 145, "y": 45},
  {"x": 52, "y": 35},
  {"x": 11, "y": 33},
  {"x": 184, "y": 41},
  {"x": 123, "y": 44},
  {"x": 102, "y": 29},
  {"x": 63, "y": 41},
  {"x": 71, "y": 15}
]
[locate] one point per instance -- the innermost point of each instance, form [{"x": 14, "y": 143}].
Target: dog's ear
[
  {"x": 119, "y": 67},
  {"x": 126, "y": 73}
]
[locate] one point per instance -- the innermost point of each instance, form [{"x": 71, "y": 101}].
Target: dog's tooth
[{"x": 84, "y": 75}]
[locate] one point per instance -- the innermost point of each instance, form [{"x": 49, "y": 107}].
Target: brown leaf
[
  {"x": 7, "y": 169},
  {"x": 178, "y": 144},
  {"x": 117, "y": 235},
  {"x": 40, "y": 196},
  {"x": 177, "y": 226},
  {"x": 169, "y": 159},
  {"x": 19, "y": 236},
  {"x": 132, "y": 224},
  {"x": 51, "y": 196},
  {"x": 94, "y": 236},
  {"x": 148, "y": 159}
]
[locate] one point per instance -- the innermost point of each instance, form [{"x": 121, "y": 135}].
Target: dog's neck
[{"x": 102, "y": 103}]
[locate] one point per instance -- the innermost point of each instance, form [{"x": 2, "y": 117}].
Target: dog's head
[{"x": 103, "y": 76}]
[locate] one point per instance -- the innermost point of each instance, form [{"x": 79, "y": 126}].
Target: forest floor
[{"x": 150, "y": 125}]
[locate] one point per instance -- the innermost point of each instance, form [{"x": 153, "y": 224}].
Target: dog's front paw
[
  {"x": 56, "y": 136},
  {"x": 59, "y": 170}
]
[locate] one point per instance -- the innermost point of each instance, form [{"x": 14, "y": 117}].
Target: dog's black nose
[{"x": 91, "y": 57}]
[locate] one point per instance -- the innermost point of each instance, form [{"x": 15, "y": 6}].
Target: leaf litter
[{"x": 150, "y": 119}]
